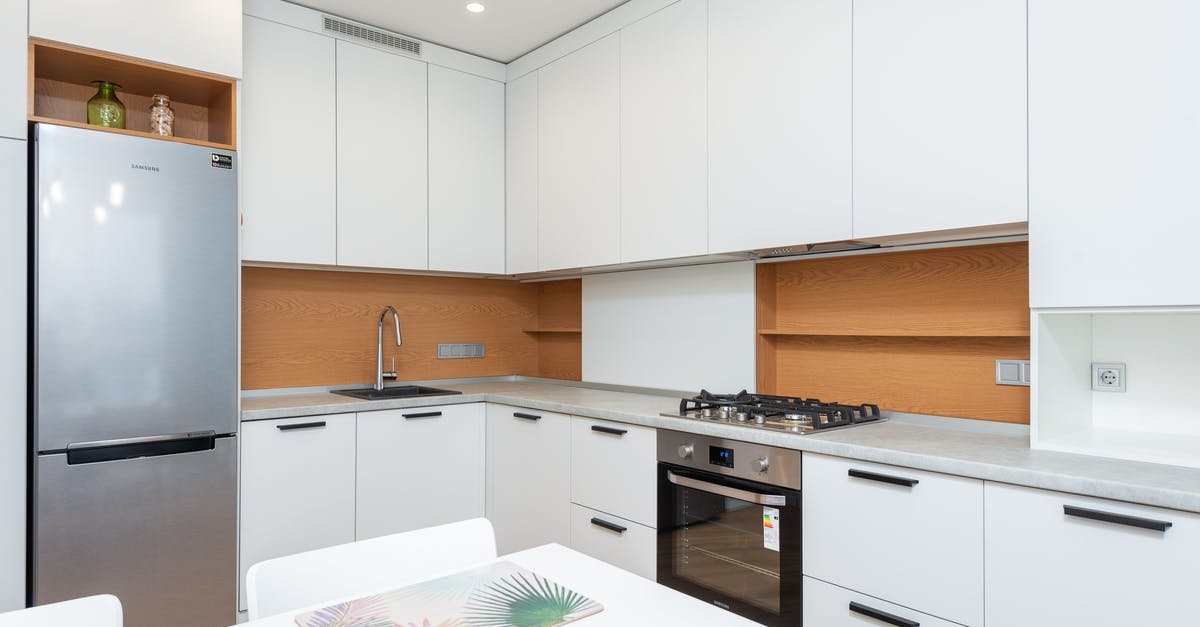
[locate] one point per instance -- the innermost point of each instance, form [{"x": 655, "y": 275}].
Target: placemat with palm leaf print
[{"x": 495, "y": 595}]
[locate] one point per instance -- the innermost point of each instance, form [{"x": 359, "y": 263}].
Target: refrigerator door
[
  {"x": 159, "y": 532},
  {"x": 136, "y": 288}
]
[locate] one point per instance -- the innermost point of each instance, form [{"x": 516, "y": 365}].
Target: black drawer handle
[
  {"x": 427, "y": 414},
  {"x": 526, "y": 416},
  {"x": 1117, "y": 519},
  {"x": 301, "y": 425},
  {"x": 609, "y": 430},
  {"x": 874, "y": 476},
  {"x": 599, "y": 522},
  {"x": 881, "y": 616}
]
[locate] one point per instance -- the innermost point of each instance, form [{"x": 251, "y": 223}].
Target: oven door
[{"x": 731, "y": 542}]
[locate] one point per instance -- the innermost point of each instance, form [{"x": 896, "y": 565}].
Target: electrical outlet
[{"x": 1108, "y": 377}]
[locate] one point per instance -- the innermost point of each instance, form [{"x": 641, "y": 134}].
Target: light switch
[{"x": 1012, "y": 372}]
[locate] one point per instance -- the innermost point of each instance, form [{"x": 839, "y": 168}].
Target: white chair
[
  {"x": 295, "y": 581},
  {"x": 102, "y": 610}
]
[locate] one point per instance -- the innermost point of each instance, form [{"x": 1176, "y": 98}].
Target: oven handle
[{"x": 733, "y": 493}]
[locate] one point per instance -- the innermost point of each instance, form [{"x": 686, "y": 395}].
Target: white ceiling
[{"x": 505, "y": 31}]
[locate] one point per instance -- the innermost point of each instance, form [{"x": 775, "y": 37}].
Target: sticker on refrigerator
[{"x": 771, "y": 528}]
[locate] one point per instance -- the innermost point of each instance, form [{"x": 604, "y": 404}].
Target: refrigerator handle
[{"x": 130, "y": 448}]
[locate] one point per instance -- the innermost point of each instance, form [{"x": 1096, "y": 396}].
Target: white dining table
[{"x": 627, "y": 598}]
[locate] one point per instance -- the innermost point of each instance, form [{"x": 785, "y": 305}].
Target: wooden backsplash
[
  {"x": 914, "y": 331},
  {"x": 312, "y": 327}
]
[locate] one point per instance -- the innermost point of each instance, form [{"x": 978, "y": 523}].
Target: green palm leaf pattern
[{"x": 521, "y": 601}]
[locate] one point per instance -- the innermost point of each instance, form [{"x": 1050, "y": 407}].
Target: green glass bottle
[{"x": 104, "y": 109}]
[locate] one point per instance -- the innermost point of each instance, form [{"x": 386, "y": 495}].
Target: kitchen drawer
[
  {"x": 918, "y": 545},
  {"x": 297, "y": 487},
  {"x": 1093, "y": 566},
  {"x": 620, "y": 542},
  {"x": 419, "y": 467},
  {"x": 614, "y": 469},
  {"x": 827, "y": 605}
]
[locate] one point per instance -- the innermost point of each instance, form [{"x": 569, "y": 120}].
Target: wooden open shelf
[
  {"x": 559, "y": 328},
  {"x": 60, "y": 85},
  {"x": 555, "y": 330},
  {"x": 914, "y": 331}
]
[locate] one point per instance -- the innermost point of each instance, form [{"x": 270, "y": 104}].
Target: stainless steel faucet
[{"x": 380, "y": 375}]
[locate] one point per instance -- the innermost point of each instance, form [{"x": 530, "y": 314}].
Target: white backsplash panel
[{"x": 673, "y": 328}]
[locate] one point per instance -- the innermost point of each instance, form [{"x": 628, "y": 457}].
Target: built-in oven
[{"x": 729, "y": 525}]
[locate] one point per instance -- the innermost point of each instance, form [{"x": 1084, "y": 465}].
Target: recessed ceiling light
[{"x": 476, "y": 7}]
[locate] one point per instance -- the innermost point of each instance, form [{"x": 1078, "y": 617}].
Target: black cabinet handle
[
  {"x": 526, "y": 416},
  {"x": 428, "y": 414},
  {"x": 607, "y": 525},
  {"x": 1117, "y": 519},
  {"x": 609, "y": 430},
  {"x": 301, "y": 425},
  {"x": 881, "y": 616},
  {"x": 874, "y": 476}
]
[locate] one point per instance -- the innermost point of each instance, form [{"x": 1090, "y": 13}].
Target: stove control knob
[
  {"x": 685, "y": 451},
  {"x": 762, "y": 464}
]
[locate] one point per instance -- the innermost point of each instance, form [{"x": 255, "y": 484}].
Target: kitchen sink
[{"x": 399, "y": 391}]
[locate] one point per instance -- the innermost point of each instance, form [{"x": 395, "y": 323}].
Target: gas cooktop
[{"x": 791, "y": 414}]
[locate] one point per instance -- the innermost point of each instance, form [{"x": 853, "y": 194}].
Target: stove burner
[{"x": 794, "y": 414}]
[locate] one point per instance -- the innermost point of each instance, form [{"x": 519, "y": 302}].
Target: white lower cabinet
[
  {"x": 912, "y": 537},
  {"x": 827, "y": 605},
  {"x": 614, "y": 469},
  {"x": 1061, "y": 559},
  {"x": 297, "y": 487},
  {"x": 528, "y": 477},
  {"x": 418, "y": 467},
  {"x": 620, "y": 542}
]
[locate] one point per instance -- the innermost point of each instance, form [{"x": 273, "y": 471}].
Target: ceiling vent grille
[{"x": 371, "y": 35}]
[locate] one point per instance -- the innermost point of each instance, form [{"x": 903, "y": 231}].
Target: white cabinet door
[
  {"x": 528, "y": 477},
  {"x": 1113, "y": 132},
  {"x": 12, "y": 372},
  {"x": 466, "y": 172},
  {"x": 939, "y": 115},
  {"x": 1050, "y": 561},
  {"x": 14, "y": 69},
  {"x": 297, "y": 487},
  {"x": 622, "y": 543},
  {"x": 419, "y": 467},
  {"x": 664, "y": 147},
  {"x": 614, "y": 469},
  {"x": 203, "y": 36},
  {"x": 382, "y": 173},
  {"x": 778, "y": 122},
  {"x": 521, "y": 172},
  {"x": 288, "y": 146},
  {"x": 827, "y": 605},
  {"x": 918, "y": 545},
  {"x": 579, "y": 173}
]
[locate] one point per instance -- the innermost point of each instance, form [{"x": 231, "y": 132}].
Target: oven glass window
[{"x": 728, "y": 545}]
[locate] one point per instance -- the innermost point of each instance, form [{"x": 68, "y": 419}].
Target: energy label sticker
[{"x": 771, "y": 528}]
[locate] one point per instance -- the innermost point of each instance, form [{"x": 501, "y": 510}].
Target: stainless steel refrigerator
[{"x": 134, "y": 405}]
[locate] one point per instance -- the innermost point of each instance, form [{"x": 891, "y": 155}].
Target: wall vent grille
[{"x": 376, "y": 37}]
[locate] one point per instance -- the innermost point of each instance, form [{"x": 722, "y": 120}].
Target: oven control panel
[{"x": 745, "y": 460}]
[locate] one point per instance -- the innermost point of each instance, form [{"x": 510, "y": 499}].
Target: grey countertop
[{"x": 959, "y": 447}]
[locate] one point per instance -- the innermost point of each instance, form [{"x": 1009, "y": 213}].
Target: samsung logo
[{"x": 148, "y": 168}]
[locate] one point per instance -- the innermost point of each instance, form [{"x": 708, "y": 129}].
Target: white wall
[
  {"x": 12, "y": 374},
  {"x": 675, "y": 328}
]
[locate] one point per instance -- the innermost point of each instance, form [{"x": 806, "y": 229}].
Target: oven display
[{"x": 720, "y": 456}]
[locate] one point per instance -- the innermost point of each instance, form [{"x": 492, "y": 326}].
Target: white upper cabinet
[
  {"x": 288, "y": 145},
  {"x": 664, "y": 199},
  {"x": 778, "y": 123},
  {"x": 521, "y": 171},
  {"x": 579, "y": 178},
  {"x": 466, "y": 172},
  {"x": 13, "y": 69},
  {"x": 203, "y": 36},
  {"x": 1113, "y": 131},
  {"x": 939, "y": 115},
  {"x": 382, "y": 171}
]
